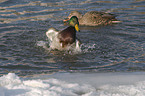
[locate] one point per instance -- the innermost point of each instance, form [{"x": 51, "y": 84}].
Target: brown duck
[{"x": 94, "y": 18}]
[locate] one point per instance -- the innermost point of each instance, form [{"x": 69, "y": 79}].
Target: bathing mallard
[
  {"x": 94, "y": 18},
  {"x": 66, "y": 37}
]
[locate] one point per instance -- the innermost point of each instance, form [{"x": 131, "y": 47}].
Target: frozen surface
[{"x": 74, "y": 84}]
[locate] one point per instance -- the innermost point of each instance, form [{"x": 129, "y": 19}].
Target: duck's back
[
  {"x": 67, "y": 36},
  {"x": 94, "y": 18}
]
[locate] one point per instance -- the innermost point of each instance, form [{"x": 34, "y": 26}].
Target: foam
[{"x": 82, "y": 84}]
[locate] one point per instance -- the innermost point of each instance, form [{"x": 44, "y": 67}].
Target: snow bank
[{"x": 74, "y": 84}]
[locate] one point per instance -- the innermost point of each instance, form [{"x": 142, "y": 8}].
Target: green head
[{"x": 74, "y": 22}]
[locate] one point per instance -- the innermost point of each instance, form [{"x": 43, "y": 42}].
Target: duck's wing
[
  {"x": 97, "y": 17},
  {"x": 111, "y": 17},
  {"x": 108, "y": 16},
  {"x": 67, "y": 36},
  {"x": 51, "y": 33}
]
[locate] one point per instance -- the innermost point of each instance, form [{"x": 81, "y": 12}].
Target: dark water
[{"x": 113, "y": 48}]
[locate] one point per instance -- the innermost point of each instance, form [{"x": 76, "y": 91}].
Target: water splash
[
  {"x": 53, "y": 43},
  {"x": 88, "y": 47},
  {"x": 42, "y": 44}
]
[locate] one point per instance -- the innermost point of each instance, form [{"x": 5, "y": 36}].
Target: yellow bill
[{"x": 77, "y": 27}]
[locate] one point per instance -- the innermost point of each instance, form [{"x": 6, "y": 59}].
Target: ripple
[
  {"x": 3, "y": 1},
  {"x": 25, "y": 49}
]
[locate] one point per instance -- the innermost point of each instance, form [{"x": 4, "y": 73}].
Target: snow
[{"x": 74, "y": 84}]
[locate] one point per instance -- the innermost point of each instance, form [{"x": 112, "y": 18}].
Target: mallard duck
[
  {"x": 93, "y": 18},
  {"x": 66, "y": 37}
]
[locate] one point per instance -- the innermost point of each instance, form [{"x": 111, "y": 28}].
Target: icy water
[
  {"x": 119, "y": 47},
  {"x": 105, "y": 50}
]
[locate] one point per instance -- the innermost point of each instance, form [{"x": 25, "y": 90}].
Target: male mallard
[
  {"x": 65, "y": 37},
  {"x": 94, "y": 18}
]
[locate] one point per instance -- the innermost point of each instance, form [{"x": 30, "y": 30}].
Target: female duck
[
  {"x": 94, "y": 18},
  {"x": 66, "y": 37}
]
